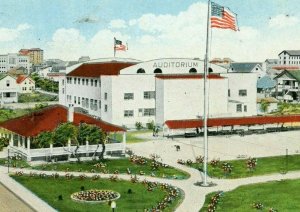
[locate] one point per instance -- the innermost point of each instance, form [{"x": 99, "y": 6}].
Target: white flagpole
[{"x": 206, "y": 99}]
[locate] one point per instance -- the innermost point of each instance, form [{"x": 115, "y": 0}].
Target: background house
[
  {"x": 8, "y": 89},
  {"x": 247, "y": 68}
]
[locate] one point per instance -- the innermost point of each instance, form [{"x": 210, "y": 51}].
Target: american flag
[
  {"x": 119, "y": 46},
  {"x": 222, "y": 17}
]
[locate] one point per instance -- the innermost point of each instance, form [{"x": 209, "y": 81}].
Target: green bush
[
  {"x": 138, "y": 125},
  {"x": 4, "y": 142},
  {"x": 150, "y": 125}
]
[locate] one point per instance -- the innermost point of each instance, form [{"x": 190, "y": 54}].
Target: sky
[{"x": 68, "y": 29}]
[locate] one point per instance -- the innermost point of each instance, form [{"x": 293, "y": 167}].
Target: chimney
[{"x": 71, "y": 113}]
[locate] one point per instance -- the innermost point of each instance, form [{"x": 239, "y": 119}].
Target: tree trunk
[{"x": 101, "y": 156}]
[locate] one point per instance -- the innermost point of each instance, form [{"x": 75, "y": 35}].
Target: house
[
  {"x": 125, "y": 91},
  {"x": 288, "y": 85},
  {"x": 247, "y": 68},
  {"x": 8, "y": 89},
  {"x": 289, "y": 58},
  {"x": 25, "y": 83},
  {"x": 265, "y": 85}
]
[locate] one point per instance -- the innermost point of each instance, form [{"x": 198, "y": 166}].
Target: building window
[
  {"x": 192, "y": 70},
  {"x": 128, "y": 96},
  {"x": 140, "y": 71},
  {"x": 75, "y": 80},
  {"x": 78, "y": 100},
  {"x": 105, "y": 108},
  {"x": 149, "y": 112},
  {"x": 82, "y": 81},
  {"x": 92, "y": 82},
  {"x": 7, "y": 83},
  {"x": 87, "y": 81},
  {"x": 128, "y": 113},
  {"x": 63, "y": 90},
  {"x": 63, "y": 82},
  {"x": 228, "y": 92},
  {"x": 245, "y": 108},
  {"x": 239, "y": 108},
  {"x": 75, "y": 99},
  {"x": 95, "y": 105},
  {"x": 83, "y": 102},
  {"x": 91, "y": 104},
  {"x": 105, "y": 96},
  {"x": 149, "y": 94},
  {"x": 99, "y": 104},
  {"x": 242, "y": 92},
  {"x": 96, "y": 82},
  {"x": 157, "y": 71},
  {"x": 78, "y": 81}
]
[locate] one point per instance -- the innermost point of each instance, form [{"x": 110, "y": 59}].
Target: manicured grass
[
  {"x": 49, "y": 189},
  {"x": 265, "y": 165},
  {"x": 6, "y": 114},
  {"x": 132, "y": 136},
  {"x": 112, "y": 165},
  {"x": 14, "y": 163},
  {"x": 280, "y": 195}
]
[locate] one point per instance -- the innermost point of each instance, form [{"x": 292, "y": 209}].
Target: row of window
[
  {"x": 147, "y": 95},
  {"x": 242, "y": 92},
  {"x": 159, "y": 71},
  {"x": 141, "y": 112},
  {"x": 25, "y": 88},
  {"x": 87, "y": 103},
  {"x": 82, "y": 81}
]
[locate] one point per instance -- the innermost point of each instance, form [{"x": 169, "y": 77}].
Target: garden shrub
[
  {"x": 138, "y": 125},
  {"x": 150, "y": 125}
]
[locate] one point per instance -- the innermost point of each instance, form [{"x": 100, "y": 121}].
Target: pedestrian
[
  {"x": 153, "y": 131},
  {"x": 156, "y": 131}
]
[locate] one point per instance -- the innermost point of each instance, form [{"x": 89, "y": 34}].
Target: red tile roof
[
  {"x": 21, "y": 78},
  {"x": 48, "y": 119},
  {"x": 98, "y": 69},
  {"x": 187, "y": 76},
  {"x": 286, "y": 67},
  {"x": 216, "y": 122}
]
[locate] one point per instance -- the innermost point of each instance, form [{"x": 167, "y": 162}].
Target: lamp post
[
  {"x": 8, "y": 160},
  {"x": 113, "y": 206}
]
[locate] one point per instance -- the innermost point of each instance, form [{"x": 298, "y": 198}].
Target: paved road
[{"x": 10, "y": 203}]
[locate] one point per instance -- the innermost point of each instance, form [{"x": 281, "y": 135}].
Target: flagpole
[
  {"x": 114, "y": 47},
  {"x": 206, "y": 99}
]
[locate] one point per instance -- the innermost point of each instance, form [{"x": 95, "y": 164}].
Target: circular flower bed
[{"x": 95, "y": 196}]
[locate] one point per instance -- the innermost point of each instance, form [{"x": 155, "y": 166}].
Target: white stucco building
[
  {"x": 8, "y": 89},
  {"x": 9, "y": 61},
  {"x": 289, "y": 57},
  {"x": 126, "y": 91}
]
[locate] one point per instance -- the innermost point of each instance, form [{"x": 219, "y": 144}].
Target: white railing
[{"x": 83, "y": 149}]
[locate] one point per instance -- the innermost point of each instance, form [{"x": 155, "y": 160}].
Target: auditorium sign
[{"x": 176, "y": 64}]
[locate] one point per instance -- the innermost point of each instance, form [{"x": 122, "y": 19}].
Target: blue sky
[{"x": 67, "y": 29}]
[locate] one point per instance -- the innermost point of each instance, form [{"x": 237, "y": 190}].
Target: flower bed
[{"x": 95, "y": 196}]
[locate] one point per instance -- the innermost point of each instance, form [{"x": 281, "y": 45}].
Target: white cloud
[
  {"x": 11, "y": 34},
  {"x": 117, "y": 24},
  {"x": 282, "y": 21},
  {"x": 183, "y": 35}
]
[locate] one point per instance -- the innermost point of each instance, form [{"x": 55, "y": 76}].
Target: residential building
[
  {"x": 289, "y": 58},
  {"x": 247, "y": 68},
  {"x": 8, "y": 89},
  {"x": 288, "y": 85},
  {"x": 36, "y": 55},
  {"x": 10, "y": 61},
  {"x": 126, "y": 91},
  {"x": 25, "y": 84}
]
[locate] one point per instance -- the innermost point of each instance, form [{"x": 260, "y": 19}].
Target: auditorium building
[{"x": 127, "y": 91}]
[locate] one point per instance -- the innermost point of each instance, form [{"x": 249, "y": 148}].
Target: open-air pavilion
[{"x": 21, "y": 131}]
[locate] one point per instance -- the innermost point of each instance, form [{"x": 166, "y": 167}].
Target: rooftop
[
  {"x": 187, "y": 76},
  {"x": 292, "y": 52},
  {"x": 47, "y": 119},
  {"x": 243, "y": 67}
]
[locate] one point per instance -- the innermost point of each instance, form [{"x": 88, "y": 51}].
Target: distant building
[
  {"x": 288, "y": 85},
  {"x": 84, "y": 59},
  {"x": 247, "y": 68},
  {"x": 10, "y": 61},
  {"x": 25, "y": 84},
  {"x": 8, "y": 89},
  {"x": 36, "y": 55},
  {"x": 272, "y": 105},
  {"x": 225, "y": 62},
  {"x": 289, "y": 57}
]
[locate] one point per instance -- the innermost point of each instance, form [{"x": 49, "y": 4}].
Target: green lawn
[
  {"x": 14, "y": 163},
  {"x": 279, "y": 195},
  {"x": 132, "y": 136},
  {"x": 265, "y": 165},
  {"x": 117, "y": 164},
  {"x": 49, "y": 189},
  {"x": 287, "y": 109}
]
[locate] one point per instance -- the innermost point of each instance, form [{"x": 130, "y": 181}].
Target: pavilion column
[
  {"x": 51, "y": 150},
  {"x": 11, "y": 142},
  {"x": 87, "y": 148},
  {"x": 69, "y": 148},
  {"x": 19, "y": 144},
  {"x": 23, "y": 142},
  {"x": 124, "y": 142},
  {"x": 28, "y": 149}
]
